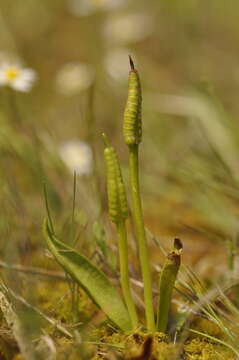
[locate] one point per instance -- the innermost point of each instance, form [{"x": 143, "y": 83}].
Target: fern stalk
[
  {"x": 124, "y": 273},
  {"x": 140, "y": 234}
]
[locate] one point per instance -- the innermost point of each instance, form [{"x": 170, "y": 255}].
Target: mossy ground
[
  {"x": 157, "y": 346},
  {"x": 95, "y": 338},
  {"x": 199, "y": 349}
]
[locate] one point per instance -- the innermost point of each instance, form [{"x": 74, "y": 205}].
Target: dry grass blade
[
  {"x": 19, "y": 333},
  {"x": 53, "y": 322}
]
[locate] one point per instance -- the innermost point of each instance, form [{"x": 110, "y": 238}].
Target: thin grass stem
[{"x": 48, "y": 207}]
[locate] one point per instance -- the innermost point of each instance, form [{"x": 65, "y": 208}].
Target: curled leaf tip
[
  {"x": 131, "y": 63},
  {"x": 178, "y": 244}
]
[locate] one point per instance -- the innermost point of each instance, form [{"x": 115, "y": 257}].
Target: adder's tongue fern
[
  {"x": 86, "y": 274},
  {"x": 132, "y": 130},
  {"x": 118, "y": 211}
]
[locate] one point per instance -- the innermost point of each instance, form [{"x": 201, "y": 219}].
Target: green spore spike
[
  {"x": 166, "y": 284},
  {"x": 118, "y": 211},
  {"x": 132, "y": 116},
  {"x": 117, "y": 201}
]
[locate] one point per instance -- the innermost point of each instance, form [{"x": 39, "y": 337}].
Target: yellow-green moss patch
[{"x": 198, "y": 349}]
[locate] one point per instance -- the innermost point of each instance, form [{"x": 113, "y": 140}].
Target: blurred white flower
[
  {"x": 88, "y": 7},
  {"x": 126, "y": 28},
  {"x": 73, "y": 78},
  {"x": 77, "y": 155},
  {"x": 17, "y": 77},
  {"x": 116, "y": 63}
]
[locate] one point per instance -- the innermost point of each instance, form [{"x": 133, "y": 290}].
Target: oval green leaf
[{"x": 91, "y": 279}]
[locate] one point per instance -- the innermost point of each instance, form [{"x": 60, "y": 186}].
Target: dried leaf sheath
[{"x": 167, "y": 280}]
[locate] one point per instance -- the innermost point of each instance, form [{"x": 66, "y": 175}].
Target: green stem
[
  {"x": 124, "y": 272},
  {"x": 141, "y": 237},
  {"x": 166, "y": 285}
]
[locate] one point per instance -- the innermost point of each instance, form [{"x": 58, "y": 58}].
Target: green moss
[
  {"x": 138, "y": 346},
  {"x": 158, "y": 346},
  {"x": 106, "y": 335},
  {"x": 134, "y": 345},
  {"x": 198, "y": 349},
  {"x": 68, "y": 349},
  {"x": 18, "y": 357},
  {"x": 56, "y": 302},
  {"x": 206, "y": 326},
  {"x": 139, "y": 337}
]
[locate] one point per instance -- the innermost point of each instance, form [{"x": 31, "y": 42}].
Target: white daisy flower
[
  {"x": 74, "y": 77},
  {"x": 77, "y": 155},
  {"x": 17, "y": 77},
  {"x": 89, "y": 7}
]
